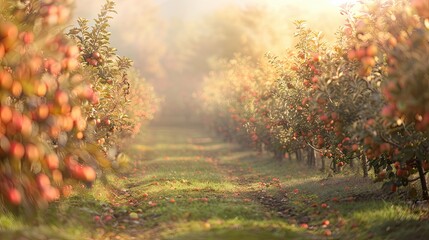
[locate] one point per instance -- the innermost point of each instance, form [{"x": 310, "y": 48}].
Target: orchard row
[
  {"x": 363, "y": 98},
  {"x": 68, "y": 102}
]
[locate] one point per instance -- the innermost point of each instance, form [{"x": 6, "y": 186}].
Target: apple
[
  {"x": 67, "y": 123},
  {"x": 27, "y": 37},
  {"x": 96, "y": 218},
  {"x": 351, "y": 55},
  {"x": 2, "y": 51},
  {"x": 72, "y": 51},
  {"x": 324, "y": 118},
  {"x": 134, "y": 216},
  {"x": 51, "y": 194},
  {"x": 16, "y": 150},
  {"x": 26, "y": 127},
  {"x": 107, "y": 218},
  {"x": 42, "y": 112},
  {"x": 385, "y": 147},
  {"x": 95, "y": 99},
  {"x": 89, "y": 174},
  {"x": 382, "y": 175},
  {"x": 52, "y": 161},
  {"x": 70, "y": 64},
  {"x": 8, "y": 34},
  {"x": 79, "y": 135},
  {"x": 315, "y": 79},
  {"x": 61, "y": 98},
  {"x": 16, "y": 89},
  {"x": 43, "y": 181},
  {"x": 316, "y": 57},
  {"x": 5, "y": 114},
  {"x": 14, "y": 196},
  {"x": 96, "y": 55},
  {"x": 397, "y": 165},
  {"x": 32, "y": 152},
  {"x": 325, "y": 222},
  {"x": 371, "y": 51},
  {"x": 6, "y": 80},
  {"x": 328, "y": 232},
  {"x": 402, "y": 172}
]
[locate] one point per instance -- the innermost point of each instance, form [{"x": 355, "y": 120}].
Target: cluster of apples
[
  {"x": 407, "y": 49},
  {"x": 110, "y": 123},
  {"x": 363, "y": 98},
  {"x": 41, "y": 97}
]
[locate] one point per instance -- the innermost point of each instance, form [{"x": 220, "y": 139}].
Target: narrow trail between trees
[{"x": 190, "y": 185}]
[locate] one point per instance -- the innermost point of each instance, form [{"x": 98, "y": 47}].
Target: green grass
[{"x": 220, "y": 192}]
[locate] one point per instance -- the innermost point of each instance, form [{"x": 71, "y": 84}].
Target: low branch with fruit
[{"x": 359, "y": 99}]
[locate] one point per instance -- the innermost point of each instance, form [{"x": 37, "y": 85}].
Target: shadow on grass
[
  {"x": 248, "y": 233},
  {"x": 370, "y": 213}
]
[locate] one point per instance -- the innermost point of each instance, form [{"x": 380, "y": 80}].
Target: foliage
[
  {"x": 63, "y": 106},
  {"x": 360, "y": 98}
]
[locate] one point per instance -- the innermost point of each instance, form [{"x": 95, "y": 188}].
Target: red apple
[
  {"x": 96, "y": 55},
  {"x": 16, "y": 150},
  {"x": 27, "y": 37},
  {"x": 14, "y": 196}
]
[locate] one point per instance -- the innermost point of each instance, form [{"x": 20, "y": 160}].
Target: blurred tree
[{"x": 142, "y": 36}]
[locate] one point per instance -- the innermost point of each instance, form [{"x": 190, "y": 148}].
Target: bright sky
[
  {"x": 182, "y": 8},
  {"x": 321, "y": 15},
  {"x": 191, "y": 7}
]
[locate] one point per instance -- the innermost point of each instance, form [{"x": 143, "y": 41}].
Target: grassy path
[
  {"x": 211, "y": 200},
  {"x": 186, "y": 185}
]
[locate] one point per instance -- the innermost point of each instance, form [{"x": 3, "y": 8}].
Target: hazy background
[{"x": 174, "y": 43}]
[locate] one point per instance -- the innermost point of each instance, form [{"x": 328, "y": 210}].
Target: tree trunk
[
  {"x": 352, "y": 163},
  {"x": 308, "y": 158},
  {"x": 364, "y": 167},
  {"x": 422, "y": 180},
  {"x": 323, "y": 168},
  {"x": 298, "y": 156},
  {"x": 278, "y": 155},
  {"x": 311, "y": 158}
]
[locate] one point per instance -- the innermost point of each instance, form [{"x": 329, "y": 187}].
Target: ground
[{"x": 184, "y": 183}]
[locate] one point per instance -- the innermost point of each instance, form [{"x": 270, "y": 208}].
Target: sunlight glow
[{"x": 341, "y": 2}]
